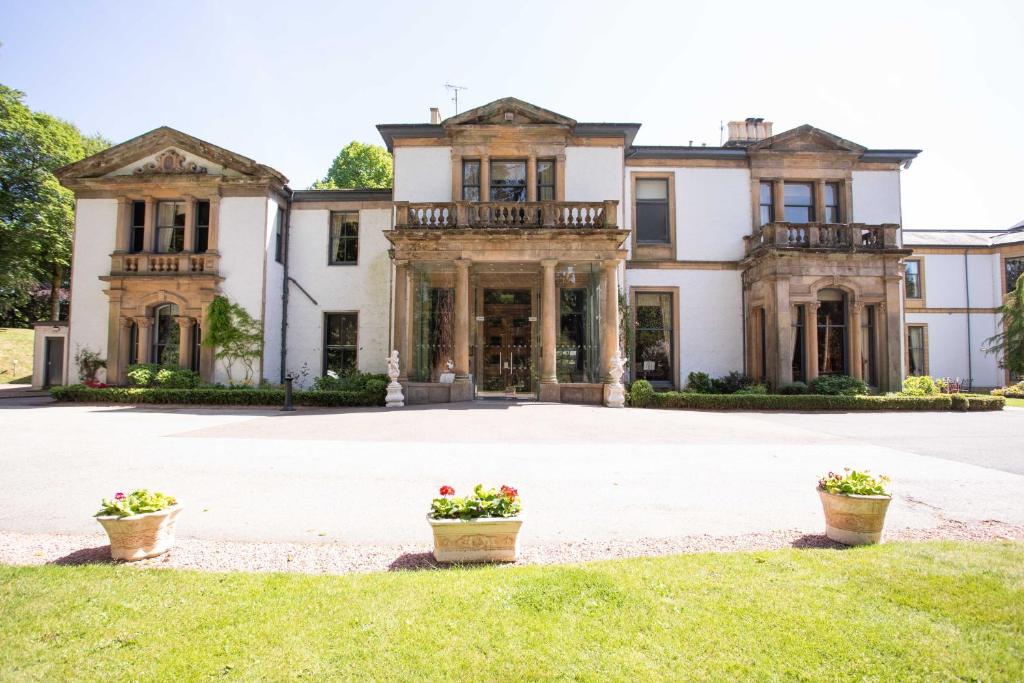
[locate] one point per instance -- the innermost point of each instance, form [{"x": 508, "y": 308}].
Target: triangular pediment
[
  {"x": 166, "y": 151},
  {"x": 807, "y": 138},
  {"x": 506, "y": 111}
]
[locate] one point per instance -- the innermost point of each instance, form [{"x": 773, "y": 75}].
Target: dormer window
[{"x": 508, "y": 181}]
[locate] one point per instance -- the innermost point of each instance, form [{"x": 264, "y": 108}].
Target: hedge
[
  {"x": 813, "y": 402},
  {"x": 214, "y": 396}
]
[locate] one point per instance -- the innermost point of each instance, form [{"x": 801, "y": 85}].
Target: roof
[{"x": 963, "y": 238}]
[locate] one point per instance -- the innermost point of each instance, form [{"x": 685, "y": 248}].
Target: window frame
[
  {"x": 201, "y": 226},
  {"x": 761, "y": 184},
  {"x": 924, "y": 346},
  {"x": 1005, "y": 275},
  {"x": 279, "y": 237},
  {"x": 554, "y": 179},
  {"x": 490, "y": 179},
  {"x": 175, "y": 228},
  {"x": 812, "y": 207},
  {"x": 674, "y": 354},
  {"x": 330, "y": 238},
  {"x": 914, "y": 301},
  {"x": 479, "y": 168},
  {"x": 139, "y": 228},
  {"x": 653, "y": 251},
  {"x": 323, "y": 337},
  {"x": 838, "y": 206}
]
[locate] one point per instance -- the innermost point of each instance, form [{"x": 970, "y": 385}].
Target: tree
[
  {"x": 358, "y": 166},
  {"x": 234, "y": 335},
  {"x": 36, "y": 213},
  {"x": 1008, "y": 344}
]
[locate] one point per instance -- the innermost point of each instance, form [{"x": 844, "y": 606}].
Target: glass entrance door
[{"x": 507, "y": 367}]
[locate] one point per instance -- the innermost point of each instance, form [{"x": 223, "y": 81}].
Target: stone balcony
[
  {"x": 149, "y": 263},
  {"x": 824, "y": 237},
  {"x": 549, "y": 215}
]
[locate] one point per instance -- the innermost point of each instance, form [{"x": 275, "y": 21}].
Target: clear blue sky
[{"x": 290, "y": 83}]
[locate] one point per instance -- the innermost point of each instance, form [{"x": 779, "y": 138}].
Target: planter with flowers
[
  {"x": 139, "y": 524},
  {"x": 482, "y": 527},
  {"x": 855, "y": 504}
]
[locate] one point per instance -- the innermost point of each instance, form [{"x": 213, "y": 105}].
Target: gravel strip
[{"x": 333, "y": 558}]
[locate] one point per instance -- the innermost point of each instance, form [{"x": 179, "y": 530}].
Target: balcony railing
[
  {"x": 823, "y": 237},
  {"x": 553, "y": 215},
  {"x": 147, "y": 263}
]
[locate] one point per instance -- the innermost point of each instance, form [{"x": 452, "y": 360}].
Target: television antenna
[{"x": 454, "y": 90}]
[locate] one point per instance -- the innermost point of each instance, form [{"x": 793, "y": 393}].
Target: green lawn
[
  {"x": 15, "y": 355},
  {"x": 935, "y": 611},
  {"x": 1019, "y": 402}
]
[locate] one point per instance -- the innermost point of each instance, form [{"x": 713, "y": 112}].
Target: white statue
[
  {"x": 448, "y": 377},
  {"x": 614, "y": 391},
  {"x": 394, "y": 399}
]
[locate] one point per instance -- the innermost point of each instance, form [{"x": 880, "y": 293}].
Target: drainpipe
[
  {"x": 967, "y": 290},
  {"x": 285, "y": 232},
  {"x": 743, "y": 326}
]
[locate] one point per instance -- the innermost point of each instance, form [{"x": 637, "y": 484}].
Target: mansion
[{"x": 519, "y": 250}]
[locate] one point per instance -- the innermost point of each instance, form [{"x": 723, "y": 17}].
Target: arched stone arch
[
  {"x": 163, "y": 296},
  {"x": 852, "y": 291}
]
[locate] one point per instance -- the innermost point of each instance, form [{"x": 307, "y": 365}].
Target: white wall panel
[{"x": 95, "y": 230}]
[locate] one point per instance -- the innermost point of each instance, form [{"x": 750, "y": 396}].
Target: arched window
[
  {"x": 165, "y": 335},
  {"x": 832, "y": 332}
]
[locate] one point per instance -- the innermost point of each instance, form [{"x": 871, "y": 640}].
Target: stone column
[
  {"x": 485, "y": 178},
  {"x": 531, "y": 179},
  {"x": 149, "y": 227},
  {"x": 779, "y": 200},
  {"x": 811, "y": 334},
  {"x": 548, "y": 332},
  {"x": 560, "y": 178},
  {"x": 123, "y": 224},
  {"x": 853, "y": 334},
  {"x": 116, "y": 372},
  {"x": 462, "y": 388},
  {"x": 610, "y": 318},
  {"x": 145, "y": 326},
  {"x": 402, "y": 318},
  {"x": 185, "y": 324},
  {"x": 206, "y": 359},
  {"x": 189, "y": 244},
  {"x": 819, "y": 201},
  {"x": 780, "y": 347},
  {"x": 213, "y": 234},
  {"x": 894, "y": 334}
]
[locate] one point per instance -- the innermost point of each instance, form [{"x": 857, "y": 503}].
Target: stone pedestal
[
  {"x": 614, "y": 391},
  {"x": 394, "y": 398}
]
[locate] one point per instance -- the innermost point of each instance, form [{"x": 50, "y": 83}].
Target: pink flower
[
  {"x": 447, "y": 490},
  {"x": 118, "y": 496}
]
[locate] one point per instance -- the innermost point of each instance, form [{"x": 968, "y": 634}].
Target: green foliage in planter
[
  {"x": 854, "y": 482},
  {"x": 793, "y": 389},
  {"x": 699, "y": 383},
  {"x": 216, "y": 396},
  {"x": 838, "y": 385},
  {"x": 641, "y": 393},
  {"x": 482, "y": 503},
  {"x": 809, "y": 402},
  {"x": 137, "y": 502}
]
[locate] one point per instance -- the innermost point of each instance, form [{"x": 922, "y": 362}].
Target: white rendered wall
[
  {"x": 594, "y": 174},
  {"x": 95, "y": 230},
  {"x": 364, "y": 288},
  {"x": 945, "y": 286},
  {"x": 423, "y": 174},
  {"x": 876, "y": 197},
  {"x": 242, "y": 246},
  {"x": 710, "y": 317},
  {"x": 947, "y": 346},
  {"x": 273, "y": 282}
]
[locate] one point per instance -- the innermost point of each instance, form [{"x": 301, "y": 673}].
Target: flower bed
[
  {"x": 810, "y": 402},
  {"x": 215, "y": 396}
]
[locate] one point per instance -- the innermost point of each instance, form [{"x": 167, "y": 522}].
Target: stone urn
[
  {"x": 852, "y": 519},
  {"x": 486, "y": 539},
  {"x": 137, "y": 537}
]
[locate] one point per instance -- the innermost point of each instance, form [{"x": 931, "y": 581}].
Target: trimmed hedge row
[
  {"x": 812, "y": 402},
  {"x": 212, "y": 396}
]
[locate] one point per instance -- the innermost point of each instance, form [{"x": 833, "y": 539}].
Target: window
[
  {"x": 654, "y": 338},
  {"x": 202, "y": 227},
  {"x": 917, "y": 359},
  {"x": 831, "y": 332},
  {"x": 1014, "y": 269},
  {"x": 652, "y": 211},
  {"x": 508, "y": 181},
  {"x": 340, "y": 337},
  {"x": 133, "y": 344},
  {"x": 912, "y": 282},
  {"x": 799, "y": 374},
  {"x": 832, "y": 203},
  {"x": 344, "y": 238},
  {"x": 170, "y": 227},
  {"x": 165, "y": 335},
  {"x": 767, "y": 202},
  {"x": 471, "y": 181},
  {"x": 545, "y": 180},
  {"x": 138, "y": 229},
  {"x": 799, "y": 202},
  {"x": 278, "y": 241},
  {"x": 577, "y": 352}
]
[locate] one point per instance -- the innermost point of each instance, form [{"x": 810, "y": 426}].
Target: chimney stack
[
  {"x": 743, "y": 133},
  {"x": 435, "y": 115}
]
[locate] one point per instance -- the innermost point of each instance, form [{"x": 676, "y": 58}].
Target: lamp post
[{"x": 288, "y": 407}]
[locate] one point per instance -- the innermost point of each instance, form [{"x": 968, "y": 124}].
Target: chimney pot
[
  {"x": 435, "y": 115},
  {"x": 748, "y": 131}
]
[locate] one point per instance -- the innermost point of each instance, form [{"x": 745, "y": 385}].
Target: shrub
[
  {"x": 981, "y": 402},
  {"x": 142, "y": 374},
  {"x": 753, "y": 389},
  {"x": 89, "y": 363},
  {"x": 699, "y": 383},
  {"x": 176, "y": 378},
  {"x": 350, "y": 381},
  {"x": 793, "y": 389},
  {"x": 853, "y": 482},
  {"x": 641, "y": 393},
  {"x": 136, "y": 503},
  {"x": 960, "y": 402},
  {"x": 810, "y": 402},
  {"x": 731, "y": 383},
  {"x": 838, "y": 385},
  {"x": 215, "y": 396},
  {"x": 482, "y": 503},
  {"x": 920, "y": 385},
  {"x": 1012, "y": 391}
]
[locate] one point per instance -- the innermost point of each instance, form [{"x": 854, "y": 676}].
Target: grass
[
  {"x": 930, "y": 611},
  {"x": 1019, "y": 402},
  {"x": 15, "y": 355}
]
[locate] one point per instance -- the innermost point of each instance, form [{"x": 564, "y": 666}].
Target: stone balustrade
[
  {"x": 823, "y": 237},
  {"x": 546, "y": 214},
  {"x": 148, "y": 263}
]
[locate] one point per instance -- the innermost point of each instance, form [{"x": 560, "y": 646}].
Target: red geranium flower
[
  {"x": 509, "y": 492},
  {"x": 118, "y": 496},
  {"x": 447, "y": 490}
]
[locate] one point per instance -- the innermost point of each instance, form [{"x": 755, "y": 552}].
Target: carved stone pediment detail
[{"x": 171, "y": 162}]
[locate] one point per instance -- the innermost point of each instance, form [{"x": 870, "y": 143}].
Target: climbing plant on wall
[
  {"x": 1008, "y": 344},
  {"x": 235, "y": 336}
]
